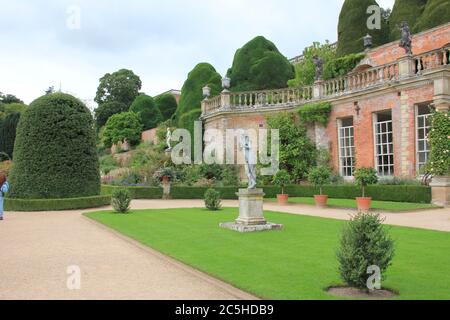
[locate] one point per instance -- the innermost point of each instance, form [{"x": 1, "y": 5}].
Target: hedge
[
  {"x": 414, "y": 194},
  {"x": 56, "y": 204}
]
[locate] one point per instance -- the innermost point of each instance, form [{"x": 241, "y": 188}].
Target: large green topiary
[
  {"x": 191, "y": 94},
  {"x": 353, "y": 27},
  {"x": 258, "y": 65},
  {"x": 54, "y": 154},
  {"x": 8, "y": 133},
  {"x": 404, "y": 10},
  {"x": 436, "y": 12},
  {"x": 147, "y": 111},
  {"x": 167, "y": 104}
]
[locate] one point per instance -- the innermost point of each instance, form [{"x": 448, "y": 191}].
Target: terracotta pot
[
  {"x": 321, "y": 200},
  {"x": 364, "y": 203},
  {"x": 165, "y": 179},
  {"x": 283, "y": 199}
]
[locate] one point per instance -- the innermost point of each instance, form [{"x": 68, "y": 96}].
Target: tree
[
  {"x": 353, "y": 27},
  {"x": 55, "y": 154},
  {"x": 8, "y": 133},
  {"x": 259, "y": 65},
  {"x": 121, "y": 86},
  {"x": 106, "y": 110},
  {"x": 147, "y": 111},
  {"x": 167, "y": 104},
  {"x": 436, "y": 12},
  {"x": 297, "y": 151},
  {"x": 405, "y": 10},
  {"x": 191, "y": 94},
  {"x": 122, "y": 126},
  {"x": 9, "y": 98},
  {"x": 15, "y": 107}
]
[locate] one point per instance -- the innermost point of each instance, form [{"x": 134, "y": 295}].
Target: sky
[{"x": 72, "y": 44}]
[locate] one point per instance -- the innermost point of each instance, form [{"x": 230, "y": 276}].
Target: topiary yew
[
  {"x": 258, "y": 65},
  {"x": 404, "y": 10},
  {"x": 8, "y": 133},
  {"x": 55, "y": 155},
  {"x": 147, "y": 111},
  {"x": 436, "y": 12},
  {"x": 167, "y": 104}
]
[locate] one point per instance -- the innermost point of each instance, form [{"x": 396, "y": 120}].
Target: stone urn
[{"x": 440, "y": 191}]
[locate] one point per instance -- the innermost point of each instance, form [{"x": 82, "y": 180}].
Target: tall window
[
  {"x": 423, "y": 127},
  {"x": 384, "y": 143},
  {"x": 346, "y": 147}
]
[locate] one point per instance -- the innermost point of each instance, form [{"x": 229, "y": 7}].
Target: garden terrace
[{"x": 364, "y": 78}]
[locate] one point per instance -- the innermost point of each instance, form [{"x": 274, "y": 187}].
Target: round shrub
[
  {"x": 167, "y": 104},
  {"x": 122, "y": 126},
  {"x": 319, "y": 177},
  {"x": 365, "y": 177},
  {"x": 212, "y": 200},
  {"x": 258, "y": 65},
  {"x": 282, "y": 179},
  {"x": 120, "y": 200},
  {"x": 364, "y": 243},
  {"x": 147, "y": 111},
  {"x": 55, "y": 154}
]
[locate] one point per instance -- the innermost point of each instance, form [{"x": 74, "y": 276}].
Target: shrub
[
  {"x": 319, "y": 177},
  {"x": 8, "y": 133},
  {"x": 167, "y": 104},
  {"x": 147, "y": 111},
  {"x": 165, "y": 172},
  {"x": 364, "y": 243},
  {"x": 106, "y": 111},
  {"x": 120, "y": 127},
  {"x": 405, "y": 10},
  {"x": 212, "y": 200},
  {"x": 230, "y": 176},
  {"x": 4, "y": 156},
  {"x": 439, "y": 163},
  {"x": 315, "y": 112},
  {"x": 258, "y": 65},
  {"x": 120, "y": 200},
  {"x": 353, "y": 27},
  {"x": 281, "y": 179},
  {"x": 136, "y": 192},
  {"x": 28, "y": 205},
  {"x": 365, "y": 177},
  {"x": 436, "y": 12},
  {"x": 341, "y": 66},
  {"x": 55, "y": 154}
]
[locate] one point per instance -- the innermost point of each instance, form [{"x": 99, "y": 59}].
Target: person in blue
[{"x": 4, "y": 186}]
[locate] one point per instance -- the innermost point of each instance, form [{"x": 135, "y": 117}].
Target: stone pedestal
[
  {"x": 440, "y": 190},
  {"x": 251, "y": 215},
  {"x": 166, "y": 189}
]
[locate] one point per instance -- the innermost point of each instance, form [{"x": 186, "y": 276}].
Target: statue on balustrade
[
  {"x": 318, "y": 62},
  {"x": 406, "y": 39}
]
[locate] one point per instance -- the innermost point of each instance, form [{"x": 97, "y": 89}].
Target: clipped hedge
[
  {"x": 56, "y": 204},
  {"x": 136, "y": 192},
  {"x": 414, "y": 194}
]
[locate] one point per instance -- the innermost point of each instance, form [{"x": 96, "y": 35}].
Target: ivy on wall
[
  {"x": 315, "y": 112},
  {"x": 439, "y": 163}
]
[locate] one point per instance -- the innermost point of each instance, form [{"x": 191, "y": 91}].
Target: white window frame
[
  {"x": 388, "y": 144},
  {"x": 346, "y": 151},
  {"x": 425, "y": 140}
]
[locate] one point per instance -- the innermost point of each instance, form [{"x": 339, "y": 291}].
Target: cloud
[{"x": 161, "y": 41}]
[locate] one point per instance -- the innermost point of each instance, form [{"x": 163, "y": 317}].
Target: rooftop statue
[
  {"x": 318, "y": 62},
  {"x": 406, "y": 40}
]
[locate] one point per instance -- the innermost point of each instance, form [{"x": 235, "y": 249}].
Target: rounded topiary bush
[
  {"x": 54, "y": 154},
  {"x": 212, "y": 200}
]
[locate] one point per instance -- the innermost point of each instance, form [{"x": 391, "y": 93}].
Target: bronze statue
[{"x": 406, "y": 40}]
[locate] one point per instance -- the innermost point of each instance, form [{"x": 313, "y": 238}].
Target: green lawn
[
  {"x": 376, "y": 205},
  {"x": 296, "y": 263}
]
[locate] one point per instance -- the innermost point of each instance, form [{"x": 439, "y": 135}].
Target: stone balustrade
[{"x": 354, "y": 82}]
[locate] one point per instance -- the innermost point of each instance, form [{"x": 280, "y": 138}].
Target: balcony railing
[{"x": 373, "y": 77}]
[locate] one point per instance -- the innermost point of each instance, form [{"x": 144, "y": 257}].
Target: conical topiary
[
  {"x": 436, "y": 12},
  {"x": 404, "y": 10}
]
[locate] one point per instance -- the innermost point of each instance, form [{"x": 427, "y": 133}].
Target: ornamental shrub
[
  {"x": 167, "y": 104},
  {"x": 8, "y": 133},
  {"x": 122, "y": 126},
  {"x": 405, "y": 10},
  {"x": 147, "y": 111},
  {"x": 107, "y": 110},
  {"x": 439, "y": 163},
  {"x": 341, "y": 66},
  {"x": 212, "y": 200},
  {"x": 436, "y": 12},
  {"x": 120, "y": 200},
  {"x": 364, "y": 243},
  {"x": 258, "y": 65},
  {"x": 365, "y": 177},
  {"x": 353, "y": 27},
  {"x": 315, "y": 112},
  {"x": 319, "y": 177},
  {"x": 55, "y": 154},
  {"x": 282, "y": 179}
]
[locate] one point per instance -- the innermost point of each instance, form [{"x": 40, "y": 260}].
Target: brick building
[{"x": 379, "y": 112}]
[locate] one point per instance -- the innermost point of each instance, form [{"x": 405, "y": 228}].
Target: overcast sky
[{"x": 42, "y": 43}]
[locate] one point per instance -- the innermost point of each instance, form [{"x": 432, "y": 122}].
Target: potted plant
[
  {"x": 165, "y": 174},
  {"x": 365, "y": 177},
  {"x": 282, "y": 179},
  {"x": 319, "y": 177}
]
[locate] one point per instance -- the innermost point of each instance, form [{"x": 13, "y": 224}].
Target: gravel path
[{"x": 38, "y": 248}]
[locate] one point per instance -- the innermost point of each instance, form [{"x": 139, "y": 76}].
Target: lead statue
[
  {"x": 318, "y": 63},
  {"x": 169, "y": 139},
  {"x": 406, "y": 40},
  {"x": 250, "y": 162}
]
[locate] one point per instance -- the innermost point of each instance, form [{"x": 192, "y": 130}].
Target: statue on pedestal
[
  {"x": 250, "y": 162},
  {"x": 318, "y": 62},
  {"x": 168, "y": 140},
  {"x": 406, "y": 40}
]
